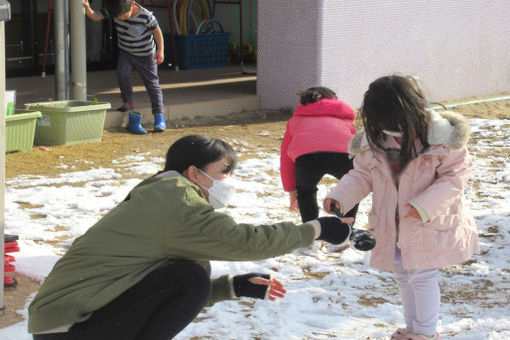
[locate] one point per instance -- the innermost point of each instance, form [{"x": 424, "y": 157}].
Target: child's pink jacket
[
  {"x": 434, "y": 181},
  {"x": 326, "y": 125}
]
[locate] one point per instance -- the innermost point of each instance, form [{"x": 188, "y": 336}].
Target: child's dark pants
[
  {"x": 310, "y": 168},
  {"x": 148, "y": 70},
  {"x": 156, "y": 308}
]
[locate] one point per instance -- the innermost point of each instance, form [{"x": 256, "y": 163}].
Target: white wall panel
[
  {"x": 288, "y": 53},
  {"x": 457, "y": 48}
]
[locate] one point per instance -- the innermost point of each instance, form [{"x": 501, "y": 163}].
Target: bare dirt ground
[{"x": 248, "y": 132}]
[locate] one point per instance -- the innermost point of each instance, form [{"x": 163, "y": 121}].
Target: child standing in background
[
  {"x": 315, "y": 143},
  {"x": 416, "y": 164},
  {"x": 141, "y": 46}
]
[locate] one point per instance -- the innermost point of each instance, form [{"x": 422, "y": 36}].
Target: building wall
[
  {"x": 457, "y": 48},
  {"x": 288, "y": 58}
]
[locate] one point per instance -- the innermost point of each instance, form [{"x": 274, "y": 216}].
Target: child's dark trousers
[
  {"x": 148, "y": 70},
  {"x": 310, "y": 168}
]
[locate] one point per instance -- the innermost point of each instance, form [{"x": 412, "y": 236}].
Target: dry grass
[
  {"x": 15, "y": 299},
  {"x": 371, "y": 301},
  {"x": 25, "y": 205},
  {"x": 116, "y": 144}
]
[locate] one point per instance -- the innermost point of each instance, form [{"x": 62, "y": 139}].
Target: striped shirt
[{"x": 134, "y": 35}]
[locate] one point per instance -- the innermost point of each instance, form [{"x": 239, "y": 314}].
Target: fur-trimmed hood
[{"x": 445, "y": 128}]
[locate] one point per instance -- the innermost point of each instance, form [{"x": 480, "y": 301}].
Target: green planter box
[
  {"x": 20, "y": 130},
  {"x": 69, "y": 122}
]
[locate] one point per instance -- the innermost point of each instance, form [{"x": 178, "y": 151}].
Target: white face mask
[
  {"x": 221, "y": 191},
  {"x": 393, "y": 133}
]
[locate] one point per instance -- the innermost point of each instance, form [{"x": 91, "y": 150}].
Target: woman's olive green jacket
[{"x": 163, "y": 220}]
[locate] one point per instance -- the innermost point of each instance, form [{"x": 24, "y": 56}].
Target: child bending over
[{"x": 315, "y": 144}]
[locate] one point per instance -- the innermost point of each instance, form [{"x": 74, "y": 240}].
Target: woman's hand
[
  {"x": 327, "y": 205},
  {"x": 259, "y": 286},
  {"x": 293, "y": 201},
  {"x": 276, "y": 289}
]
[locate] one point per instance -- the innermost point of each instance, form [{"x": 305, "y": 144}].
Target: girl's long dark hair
[
  {"x": 199, "y": 151},
  {"x": 395, "y": 103}
]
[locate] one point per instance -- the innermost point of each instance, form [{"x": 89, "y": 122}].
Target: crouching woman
[{"x": 142, "y": 271}]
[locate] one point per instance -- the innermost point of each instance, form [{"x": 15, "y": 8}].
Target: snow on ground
[{"x": 332, "y": 294}]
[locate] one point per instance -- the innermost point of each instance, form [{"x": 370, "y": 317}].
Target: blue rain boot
[
  {"x": 159, "y": 123},
  {"x": 135, "y": 123}
]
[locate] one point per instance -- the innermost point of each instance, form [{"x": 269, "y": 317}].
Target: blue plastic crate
[{"x": 203, "y": 50}]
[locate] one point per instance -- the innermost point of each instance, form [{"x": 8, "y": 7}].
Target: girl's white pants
[{"x": 419, "y": 291}]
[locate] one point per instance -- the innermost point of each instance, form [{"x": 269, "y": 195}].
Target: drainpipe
[
  {"x": 59, "y": 33},
  {"x": 470, "y": 102},
  {"x": 5, "y": 15},
  {"x": 78, "y": 52},
  {"x": 67, "y": 56}
]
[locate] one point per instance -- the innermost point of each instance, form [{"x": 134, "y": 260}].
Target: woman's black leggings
[
  {"x": 310, "y": 168},
  {"x": 158, "y": 307}
]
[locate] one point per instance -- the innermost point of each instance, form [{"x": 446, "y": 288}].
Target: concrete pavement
[{"x": 187, "y": 93}]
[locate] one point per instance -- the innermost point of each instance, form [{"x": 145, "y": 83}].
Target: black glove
[
  {"x": 333, "y": 230},
  {"x": 243, "y": 287},
  {"x": 361, "y": 239}
]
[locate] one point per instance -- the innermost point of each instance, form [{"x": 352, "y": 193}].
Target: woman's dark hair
[
  {"x": 316, "y": 93},
  {"x": 116, "y": 8},
  {"x": 395, "y": 103},
  {"x": 199, "y": 151}
]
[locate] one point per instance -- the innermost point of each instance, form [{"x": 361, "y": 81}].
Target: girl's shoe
[
  {"x": 413, "y": 336},
  {"x": 401, "y": 333}
]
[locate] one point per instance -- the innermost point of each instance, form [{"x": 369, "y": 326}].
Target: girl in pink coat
[
  {"x": 415, "y": 163},
  {"x": 315, "y": 143}
]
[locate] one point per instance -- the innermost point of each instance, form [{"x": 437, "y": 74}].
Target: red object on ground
[
  {"x": 9, "y": 281},
  {"x": 9, "y": 267},
  {"x": 10, "y": 246}
]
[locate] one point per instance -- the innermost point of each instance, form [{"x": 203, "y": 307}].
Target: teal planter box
[
  {"x": 20, "y": 130},
  {"x": 69, "y": 122}
]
